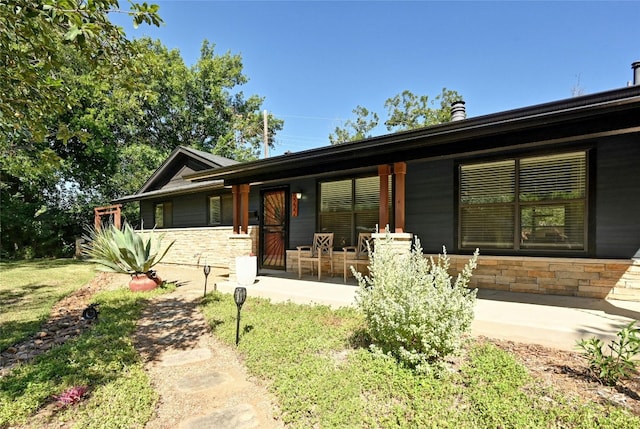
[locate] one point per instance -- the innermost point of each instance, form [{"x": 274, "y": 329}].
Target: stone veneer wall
[
  {"x": 216, "y": 246},
  {"x": 592, "y": 278}
]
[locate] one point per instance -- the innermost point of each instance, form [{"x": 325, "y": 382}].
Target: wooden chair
[
  {"x": 357, "y": 255},
  {"x": 321, "y": 250}
]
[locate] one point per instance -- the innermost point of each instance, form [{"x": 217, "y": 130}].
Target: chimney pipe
[
  {"x": 636, "y": 72},
  {"x": 458, "y": 111}
]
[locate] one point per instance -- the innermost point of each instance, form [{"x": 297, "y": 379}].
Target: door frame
[{"x": 287, "y": 219}]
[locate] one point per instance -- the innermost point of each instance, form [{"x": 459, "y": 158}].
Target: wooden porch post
[
  {"x": 235, "y": 189},
  {"x": 244, "y": 203},
  {"x": 240, "y": 209},
  {"x": 383, "y": 215},
  {"x": 399, "y": 172}
]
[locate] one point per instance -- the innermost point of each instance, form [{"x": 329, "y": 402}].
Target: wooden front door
[{"x": 273, "y": 229}]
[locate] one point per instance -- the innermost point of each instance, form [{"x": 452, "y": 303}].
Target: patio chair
[
  {"x": 357, "y": 255},
  {"x": 320, "y": 251}
]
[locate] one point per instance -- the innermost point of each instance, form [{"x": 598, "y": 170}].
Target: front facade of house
[{"x": 550, "y": 194}]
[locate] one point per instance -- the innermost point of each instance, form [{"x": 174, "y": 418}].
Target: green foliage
[
  {"x": 312, "y": 358},
  {"x": 103, "y": 358},
  {"x": 405, "y": 111},
  {"x": 34, "y": 34},
  {"x": 408, "y": 111},
  {"x": 119, "y": 122},
  {"x": 27, "y": 294},
  {"x": 413, "y": 311},
  {"x": 619, "y": 361},
  {"x": 124, "y": 251},
  {"x": 356, "y": 130}
]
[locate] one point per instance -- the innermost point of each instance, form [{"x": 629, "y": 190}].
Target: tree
[
  {"x": 358, "y": 129},
  {"x": 408, "y": 111},
  {"x": 120, "y": 124},
  {"x": 87, "y": 115},
  {"x": 33, "y": 34},
  {"x": 39, "y": 41}
]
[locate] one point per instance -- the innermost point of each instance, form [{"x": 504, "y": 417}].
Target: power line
[{"x": 320, "y": 118}]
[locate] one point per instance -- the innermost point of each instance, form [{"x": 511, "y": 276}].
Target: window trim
[
  {"x": 209, "y": 222},
  {"x": 167, "y": 207},
  {"x": 353, "y": 212},
  {"x": 588, "y": 249}
]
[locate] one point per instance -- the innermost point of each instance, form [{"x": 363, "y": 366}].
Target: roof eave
[
  {"x": 198, "y": 187},
  {"x": 393, "y": 147}
]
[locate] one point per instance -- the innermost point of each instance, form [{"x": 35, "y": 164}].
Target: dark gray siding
[
  {"x": 190, "y": 210},
  {"x": 430, "y": 204},
  {"x": 146, "y": 214},
  {"x": 302, "y": 227},
  {"x": 618, "y": 198}
]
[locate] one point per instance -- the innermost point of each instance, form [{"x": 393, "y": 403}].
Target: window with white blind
[
  {"x": 348, "y": 207},
  {"x": 532, "y": 203}
]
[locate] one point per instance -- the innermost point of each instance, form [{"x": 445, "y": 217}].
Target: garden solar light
[
  {"x": 91, "y": 312},
  {"x": 239, "y": 296},
  {"x": 207, "y": 270}
]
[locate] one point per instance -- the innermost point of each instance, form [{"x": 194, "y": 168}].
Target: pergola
[{"x": 114, "y": 210}]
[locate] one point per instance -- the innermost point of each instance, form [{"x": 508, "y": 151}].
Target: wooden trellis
[{"x": 113, "y": 210}]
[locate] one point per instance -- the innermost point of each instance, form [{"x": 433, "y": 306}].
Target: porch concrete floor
[{"x": 548, "y": 320}]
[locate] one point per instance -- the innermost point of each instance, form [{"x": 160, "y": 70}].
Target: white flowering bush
[{"x": 414, "y": 310}]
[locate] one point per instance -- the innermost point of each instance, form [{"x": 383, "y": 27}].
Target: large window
[
  {"x": 348, "y": 207},
  {"x": 163, "y": 214},
  {"x": 524, "y": 203}
]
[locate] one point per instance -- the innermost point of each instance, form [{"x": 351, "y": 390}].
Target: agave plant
[{"x": 123, "y": 251}]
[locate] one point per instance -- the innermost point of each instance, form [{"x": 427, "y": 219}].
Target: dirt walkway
[{"x": 200, "y": 380}]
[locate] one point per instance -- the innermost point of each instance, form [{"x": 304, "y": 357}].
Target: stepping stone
[
  {"x": 196, "y": 383},
  {"x": 241, "y": 416},
  {"x": 186, "y": 357}
]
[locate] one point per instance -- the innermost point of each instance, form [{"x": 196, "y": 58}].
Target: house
[{"x": 549, "y": 193}]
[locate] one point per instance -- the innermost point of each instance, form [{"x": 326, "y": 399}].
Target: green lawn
[
  {"x": 103, "y": 358},
  {"x": 314, "y": 360},
  {"x": 29, "y": 289}
]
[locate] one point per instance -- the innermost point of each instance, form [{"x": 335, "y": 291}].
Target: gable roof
[
  {"x": 597, "y": 115},
  {"x": 179, "y": 156},
  {"x": 168, "y": 179}
]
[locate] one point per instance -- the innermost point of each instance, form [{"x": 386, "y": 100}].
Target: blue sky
[{"x": 315, "y": 61}]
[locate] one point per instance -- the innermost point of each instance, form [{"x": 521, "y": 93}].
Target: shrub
[
  {"x": 123, "y": 251},
  {"x": 619, "y": 362},
  {"x": 413, "y": 310}
]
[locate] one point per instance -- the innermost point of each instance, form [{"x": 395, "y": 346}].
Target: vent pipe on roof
[
  {"x": 636, "y": 72},
  {"x": 458, "y": 111}
]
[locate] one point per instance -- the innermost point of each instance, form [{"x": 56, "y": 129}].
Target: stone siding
[
  {"x": 592, "y": 278},
  {"x": 216, "y": 246}
]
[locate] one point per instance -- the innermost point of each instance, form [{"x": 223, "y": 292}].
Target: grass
[
  {"x": 313, "y": 358},
  {"x": 315, "y": 361},
  {"x": 28, "y": 291},
  {"x": 120, "y": 394}
]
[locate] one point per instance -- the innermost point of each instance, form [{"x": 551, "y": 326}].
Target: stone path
[{"x": 200, "y": 380}]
